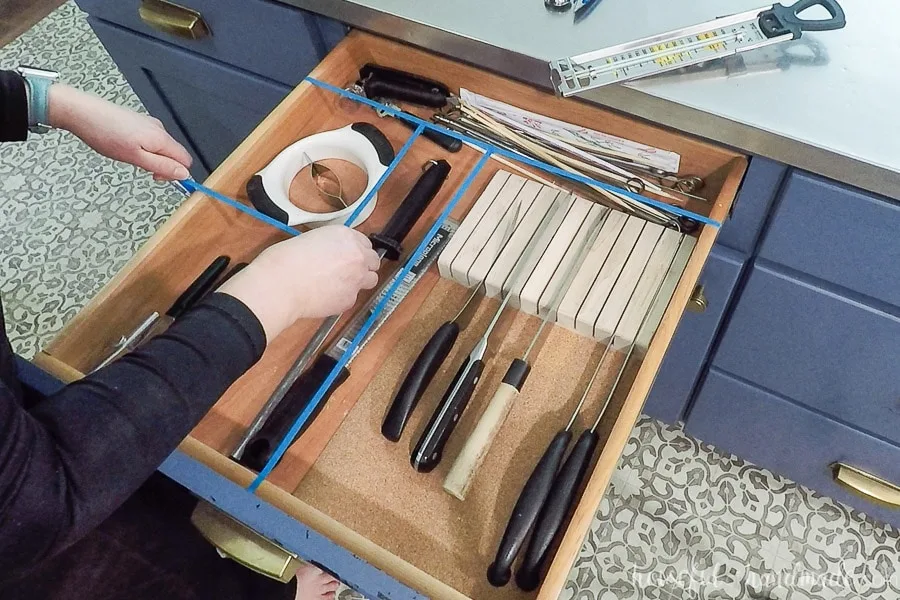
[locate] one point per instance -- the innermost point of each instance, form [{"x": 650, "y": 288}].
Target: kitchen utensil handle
[
  {"x": 467, "y": 463},
  {"x": 393, "y": 84},
  {"x": 263, "y": 443},
  {"x": 199, "y": 287},
  {"x": 448, "y": 143},
  {"x": 557, "y": 508},
  {"x": 417, "y": 380},
  {"x": 527, "y": 508},
  {"x": 461, "y": 474},
  {"x": 417, "y": 200},
  {"x": 791, "y": 21},
  {"x": 429, "y": 450}
]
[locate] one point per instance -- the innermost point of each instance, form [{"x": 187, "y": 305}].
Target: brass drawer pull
[
  {"x": 867, "y": 485},
  {"x": 698, "y": 301},
  {"x": 173, "y": 19},
  {"x": 243, "y": 545}
]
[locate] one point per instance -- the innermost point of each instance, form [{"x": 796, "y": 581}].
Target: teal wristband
[
  {"x": 38, "y": 101},
  {"x": 37, "y": 86}
]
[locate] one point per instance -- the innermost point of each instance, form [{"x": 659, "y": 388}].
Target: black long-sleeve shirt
[{"x": 72, "y": 459}]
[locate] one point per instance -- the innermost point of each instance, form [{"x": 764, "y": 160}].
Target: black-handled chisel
[
  {"x": 387, "y": 243},
  {"x": 430, "y": 448}
]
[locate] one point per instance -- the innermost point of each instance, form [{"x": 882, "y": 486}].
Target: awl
[{"x": 388, "y": 245}]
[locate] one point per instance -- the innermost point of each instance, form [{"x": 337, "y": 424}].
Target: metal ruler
[
  {"x": 680, "y": 48},
  {"x": 429, "y": 255}
]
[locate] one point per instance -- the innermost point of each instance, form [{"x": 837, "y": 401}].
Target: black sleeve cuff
[
  {"x": 13, "y": 107},
  {"x": 242, "y": 316}
]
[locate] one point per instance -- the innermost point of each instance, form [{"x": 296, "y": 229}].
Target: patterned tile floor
[{"x": 681, "y": 521}]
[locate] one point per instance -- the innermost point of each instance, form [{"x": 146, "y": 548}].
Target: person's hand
[
  {"x": 118, "y": 133},
  {"x": 312, "y": 276}
]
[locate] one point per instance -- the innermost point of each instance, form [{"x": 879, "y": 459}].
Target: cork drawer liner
[{"x": 343, "y": 479}]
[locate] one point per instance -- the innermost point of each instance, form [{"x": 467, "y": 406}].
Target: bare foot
[{"x": 313, "y": 584}]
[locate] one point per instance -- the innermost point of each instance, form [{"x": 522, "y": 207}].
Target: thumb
[{"x": 162, "y": 167}]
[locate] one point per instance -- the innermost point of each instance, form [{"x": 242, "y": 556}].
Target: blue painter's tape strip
[
  {"x": 304, "y": 416},
  {"x": 675, "y": 210},
  {"x": 192, "y": 186},
  {"x": 397, "y": 158}
]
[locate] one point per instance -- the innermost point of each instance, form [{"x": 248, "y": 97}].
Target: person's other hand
[
  {"x": 312, "y": 276},
  {"x": 118, "y": 133}
]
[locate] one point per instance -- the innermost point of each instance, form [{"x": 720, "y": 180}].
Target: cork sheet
[{"x": 367, "y": 483}]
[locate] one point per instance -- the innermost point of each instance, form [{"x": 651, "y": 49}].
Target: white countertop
[{"x": 825, "y": 103}]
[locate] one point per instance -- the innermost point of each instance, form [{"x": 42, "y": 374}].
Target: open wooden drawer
[{"x": 342, "y": 478}]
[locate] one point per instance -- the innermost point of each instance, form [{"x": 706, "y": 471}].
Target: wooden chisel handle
[{"x": 462, "y": 473}]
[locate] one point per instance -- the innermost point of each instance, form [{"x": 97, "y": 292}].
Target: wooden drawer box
[{"x": 342, "y": 478}]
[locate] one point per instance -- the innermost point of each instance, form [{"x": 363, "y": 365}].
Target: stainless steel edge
[{"x": 697, "y": 108}]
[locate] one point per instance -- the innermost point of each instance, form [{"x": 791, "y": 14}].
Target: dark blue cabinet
[
  {"x": 772, "y": 431},
  {"x": 208, "y": 106},
  {"x": 686, "y": 357}
]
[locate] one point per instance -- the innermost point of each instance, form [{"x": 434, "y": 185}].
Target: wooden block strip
[
  {"x": 593, "y": 263},
  {"x": 533, "y": 202},
  {"x": 562, "y": 240},
  {"x": 607, "y": 325},
  {"x": 484, "y": 229},
  {"x": 594, "y": 219},
  {"x": 553, "y": 222},
  {"x": 596, "y": 299},
  {"x": 468, "y": 224},
  {"x": 648, "y": 329},
  {"x": 639, "y": 305}
]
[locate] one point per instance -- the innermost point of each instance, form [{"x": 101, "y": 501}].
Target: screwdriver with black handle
[
  {"x": 156, "y": 324},
  {"x": 256, "y": 449},
  {"x": 429, "y": 450},
  {"x": 567, "y": 486}
]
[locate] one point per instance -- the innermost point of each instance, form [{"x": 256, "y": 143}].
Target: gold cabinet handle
[
  {"x": 698, "y": 301},
  {"x": 867, "y": 485},
  {"x": 173, "y": 19},
  {"x": 243, "y": 545}
]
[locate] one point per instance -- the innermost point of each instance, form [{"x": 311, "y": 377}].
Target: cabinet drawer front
[
  {"x": 752, "y": 205},
  {"x": 693, "y": 339},
  {"x": 838, "y": 234},
  {"x": 818, "y": 348},
  {"x": 260, "y": 36},
  {"x": 769, "y": 430},
  {"x": 343, "y": 479},
  {"x": 169, "y": 81}
]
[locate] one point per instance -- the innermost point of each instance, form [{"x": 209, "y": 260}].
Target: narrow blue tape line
[
  {"x": 397, "y": 158},
  {"x": 676, "y": 210},
  {"x": 192, "y": 186},
  {"x": 303, "y": 417}
]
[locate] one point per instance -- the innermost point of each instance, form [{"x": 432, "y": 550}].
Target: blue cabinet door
[
  {"x": 685, "y": 360},
  {"x": 208, "y": 106}
]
